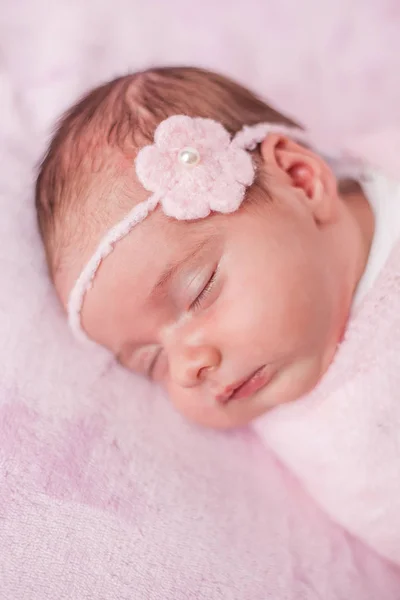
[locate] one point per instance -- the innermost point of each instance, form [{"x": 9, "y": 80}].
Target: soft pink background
[{"x": 105, "y": 493}]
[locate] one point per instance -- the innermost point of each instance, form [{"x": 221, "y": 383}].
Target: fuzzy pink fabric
[
  {"x": 105, "y": 493},
  {"x": 343, "y": 440}
]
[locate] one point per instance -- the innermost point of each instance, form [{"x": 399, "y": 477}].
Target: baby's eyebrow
[{"x": 174, "y": 266}]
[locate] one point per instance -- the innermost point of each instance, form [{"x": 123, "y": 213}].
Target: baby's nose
[{"x": 192, "y": 364}]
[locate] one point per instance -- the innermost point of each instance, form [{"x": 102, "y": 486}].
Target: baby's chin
[
  {"x": 233, "y": 414},
  {"x": 224, "y": 420}
]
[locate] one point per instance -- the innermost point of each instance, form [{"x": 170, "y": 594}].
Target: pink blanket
[
  {"x": 105, "y": 493},
  {"x": 343, "y": 439}
]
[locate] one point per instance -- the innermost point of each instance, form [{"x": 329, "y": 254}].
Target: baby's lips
[{"x": 246, "y": 386}]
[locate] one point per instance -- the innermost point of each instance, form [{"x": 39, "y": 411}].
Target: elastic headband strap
[{"x": 105, "y": 247}]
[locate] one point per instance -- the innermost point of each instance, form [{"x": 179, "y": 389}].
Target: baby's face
[{"x": 232, "y": 315}]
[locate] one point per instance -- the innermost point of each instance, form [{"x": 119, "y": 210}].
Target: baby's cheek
[
  {"x": 185, "y": 400},
  {"x": 191, "y": 403}
]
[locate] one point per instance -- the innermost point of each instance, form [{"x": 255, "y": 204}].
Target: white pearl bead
[{"x": 189, "y": 156}]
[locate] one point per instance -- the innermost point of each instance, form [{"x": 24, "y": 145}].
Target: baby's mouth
[{"x": 248, "y": 386}]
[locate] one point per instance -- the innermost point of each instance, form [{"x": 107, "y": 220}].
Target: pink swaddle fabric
[{"x": 343, "y": 440}]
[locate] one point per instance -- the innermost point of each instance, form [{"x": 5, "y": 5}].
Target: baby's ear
[{"x": 299, "y": 167}]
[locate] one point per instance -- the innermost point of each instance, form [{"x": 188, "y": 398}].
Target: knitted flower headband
[{"x": 192, "y": 169}]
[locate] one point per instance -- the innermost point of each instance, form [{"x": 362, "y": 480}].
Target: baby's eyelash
[{"x": 204, "y": 292}]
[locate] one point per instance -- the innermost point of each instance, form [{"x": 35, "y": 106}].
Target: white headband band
[{"x": 192, "y": 169}]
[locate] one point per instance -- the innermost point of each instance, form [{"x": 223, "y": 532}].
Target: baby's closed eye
[
  {"x": 204, "y": 291},
  {"x": 154, "y": 358}
]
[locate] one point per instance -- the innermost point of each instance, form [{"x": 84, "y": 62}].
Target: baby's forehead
[
  {"x": 156, "y": 239},
  {"x": 159, "y": 239}
]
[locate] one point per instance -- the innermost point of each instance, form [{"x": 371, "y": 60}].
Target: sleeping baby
[
  {"x": 199, "y": 235},
  {"x": 207, "y": 242}
]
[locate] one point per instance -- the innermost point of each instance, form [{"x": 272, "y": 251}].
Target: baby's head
[{"x": 235, "y": 311}]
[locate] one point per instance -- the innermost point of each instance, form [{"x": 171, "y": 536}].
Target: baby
[{"x": 197, "y": 234}]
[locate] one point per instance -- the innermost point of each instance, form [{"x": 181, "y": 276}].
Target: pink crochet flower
[{"x": 193, "y": 168}]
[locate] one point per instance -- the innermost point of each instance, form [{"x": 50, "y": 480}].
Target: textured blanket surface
[
  {"x": 105, "y": 493},
  {"x": 343, "y": 439}
]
